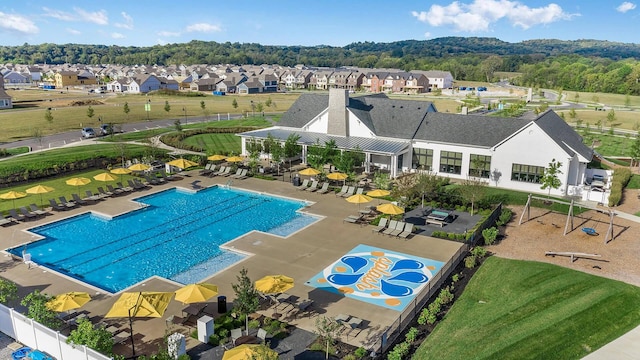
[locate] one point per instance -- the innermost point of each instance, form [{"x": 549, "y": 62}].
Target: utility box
[
  {"x": 205, "y": 328},
  {"x": 177, "y": 345}
]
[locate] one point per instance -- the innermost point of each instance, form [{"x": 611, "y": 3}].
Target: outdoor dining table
[
  {"x": 247, "y": 339},
  {"x": 194, "y": 309}
]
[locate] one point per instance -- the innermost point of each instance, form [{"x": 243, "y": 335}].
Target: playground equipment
[
  {"x": 590, "y": 231},
  {"x": 573, "y": 255},
  {"x": 568, "y": 227}
]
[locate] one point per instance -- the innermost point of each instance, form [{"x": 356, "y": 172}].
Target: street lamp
[
  {"x": 184, "y": 110},
  {"x": 253, "y": 109}
]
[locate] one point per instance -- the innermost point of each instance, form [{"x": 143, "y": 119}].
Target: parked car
[
  {"x": 88, "y": 133},
  {"x": 482, "y": 88},
  {"x": 106, "y": 129}
]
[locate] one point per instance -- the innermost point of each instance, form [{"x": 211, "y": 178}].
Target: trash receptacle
[
  {"x": 296, "y": 181},
  {"x": 222, "y": 304}
]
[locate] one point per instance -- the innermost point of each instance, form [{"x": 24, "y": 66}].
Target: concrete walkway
[{"x": 626, "y": 347}]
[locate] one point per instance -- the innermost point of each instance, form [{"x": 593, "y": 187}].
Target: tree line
[{"x": 581, "y": 65}]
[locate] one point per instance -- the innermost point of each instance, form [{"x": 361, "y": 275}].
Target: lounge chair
[
  {"x": 150, "y": 180},
  {"x": 115, "y": 191},
  {"x": 305, "y": 184},
  {"x": 353, "y": 219},
  {"x": 207, "y": 169},
  {"x": 133, "y": 185},
  {"x": 164, "y": 175},
  {"x": 220, "y": 171},
  {"x": 324, "y": 189},
  {"x": 90, "y": 195},
  {"x": 381, "y": 225},
  {"x": 104, "y": 193},
  {"x": 30, "y": 215},
  {"x": 78, "y": 200},
  {"x": 238, "y": 172},
  {"x": 393, "y": 227},
  {"x": 139, "y": 185},
  {"x": 124, "y": 188},
  {"x": 64, "y": 202},
  {"x": 17, "y": 216},
  {"x": 359, "y": 190},
  {"x": 399, "y": 229},
  {"x": 56, "y": 206},
  {"x": 408, "y": 230},
  {"x": 36, "y": 210},
  {"x": 235, "y": 334},
  {"x": 313, "y": 187},
  {"x": 5, "y": 221},
  {"x": 242, "y": 175},
  {"x": 262, "y": 335},
  {"x": 350, "y": 191},
  {"x": 227, "y": 171},
  {"x": 343, "y": 190}
]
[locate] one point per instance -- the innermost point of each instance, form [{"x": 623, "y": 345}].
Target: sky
[{"x": 311, "y": 23}]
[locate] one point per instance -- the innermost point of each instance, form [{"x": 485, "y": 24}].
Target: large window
[
  {"x": 451, "y": 162},
  {"x": 527, "y": 173},
  {"x": 480, "y": 166},
  {"x": 422, "y": 159}
]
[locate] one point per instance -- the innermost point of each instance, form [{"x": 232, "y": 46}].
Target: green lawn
[
  {"x": 216, "y": 143},
  {"x": 528, "y": 310},
  {"x": 608, "y": 145},
  {"x": 512, "y": 197},
  {"x": 634, "y": 183}
]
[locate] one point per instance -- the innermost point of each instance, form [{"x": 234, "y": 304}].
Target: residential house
[
  {"x": 303, "y": 78},
  {"x": 269, "y": 82},
  {"x": 354, "y": 81},
  {"x": 119, "y": 85},
  {"x": 208, "y": 84},
  {"x": 5, "y": 99},
  {"x": 320, "y": 80},
  {"x": 14, "y": 78},
  {"x": 404, "y": 136},
  {"x": 437, "y": 79},
  {"x": 66, "y": 78},
  {"x": 251, "y": 86},
  {"x": 144, "y": 84}
]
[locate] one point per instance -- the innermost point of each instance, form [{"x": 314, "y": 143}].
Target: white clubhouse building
[{"x": 405, "y": 136}]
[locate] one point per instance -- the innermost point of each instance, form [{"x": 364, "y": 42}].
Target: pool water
[{"x": 177, "y": 235}]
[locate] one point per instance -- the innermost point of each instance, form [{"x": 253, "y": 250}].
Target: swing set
[{"x": 568, "y": 227}]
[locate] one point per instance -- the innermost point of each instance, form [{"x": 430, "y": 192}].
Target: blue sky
[{"x": 326, "y": 22}]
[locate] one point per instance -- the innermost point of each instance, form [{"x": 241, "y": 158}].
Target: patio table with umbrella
[
  {"x": 182, "y": 163},
  {"x": 309, "y": 172},
  {"x": 390, "y": 209},
  {"x": 234, "y": 159},
  {"x": 274, "y": 284},
  {"x": 40, "y": 189},
  {"x": 68, "y": 301},
  {"x": 105, "y": 176},
  {"x": 139, "y": 304},
  {"x": 337, "y": 176},
  {"x": 194, "y": 293},
  {"x": 359, "y": 199},
  {"x": 139, "y": 167},
  {"x": 13, "y": 195},
  {"x": 216, "y": 157},
  {"x": 121, "y": 171},
  {"x": 378, "y": 193}
]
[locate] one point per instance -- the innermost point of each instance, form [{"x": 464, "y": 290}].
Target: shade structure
[
  {"x": 140, "y": 304},
  {"x": 249, "y": 351},
  {"x": 139, "y": 167},
  {"x": 105, "y": 176},
  {"x": 378, "y": 193},
  {"x": 40, "y": 189},
  {"x": 13, "y": 195},
  {"x": 274, "y": 284},
  {"x": 337, "y": 176},
  {"x": 194, "y": 293},
  {"x": 359, "y": 199},
  {"x": 309, "y": 172},
  {"x": 121, "y": 171},
  {"x": 234, "y": 159},
  {"x": 390, "y": 209},
  {"x": 68, "y": 301},
  {"x": 78, "y": 181},
  {"x": 216, "y": 157},
  {"x": 182, "y": 163}
]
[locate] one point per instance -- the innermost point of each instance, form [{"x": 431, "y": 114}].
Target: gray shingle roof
[
  {"x": 475, "y": 130},
  {"x": 563, "y": 134}
]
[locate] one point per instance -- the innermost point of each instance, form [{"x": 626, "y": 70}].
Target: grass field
[
  {"x": 527, "y": 310},
  {"x": 216, "y": 143},
  {"x": 609, "y": 145},
  {"x": 21, "y": 122},
  {"x": 624, "y": 119}
]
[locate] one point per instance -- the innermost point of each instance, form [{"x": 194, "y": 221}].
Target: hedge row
[
  {"x": 174, "y": 139},
  {"x": 621, "y": 177}
]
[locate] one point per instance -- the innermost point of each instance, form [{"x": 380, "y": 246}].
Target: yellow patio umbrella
[
  {"x": 194, "y": 293},
  {"x": 378, "y": 193},
  {"x": 274, "y": 284},
  {"x": 234, "y": 159},
  {"x": 68, "y": 301},
  {"x": 105, "y": 176},
  {"x": 337, "y": 176},
  {"x": 390, "y": 209},
  {"x": 120, "y": 171},
  {"x": 13, "y": 195},
  {"x": 78, "y": 181},
  {"x": 216, "y": 157},
  {"x": 359, "y": 199},
  {"x": 139, "y": 167},
  {"x": 249, "y": 351},
  {"x": 182, "y": 163},
  {"x": 309, "y": 172},
  {"x": 139, "y": 304},
  {"x": 40, "y": 189}
]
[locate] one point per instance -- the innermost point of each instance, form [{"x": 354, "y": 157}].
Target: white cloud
[
  {"x": 96, "y": 17},
  {"x": 116, "y": 35},
  {"x": 73, "y": 31},
  {"x": 478, "y": 15},
  {"x": 162, "y": 42},
  {"x": 17, "y": 23},
  {"x": 168, "y": 33},
  {"x": 427, "y": 35},
  {"x": 128, "y": 22},
  {"x": 626, "y": 6},
  {"x": 203, "y": 27}
]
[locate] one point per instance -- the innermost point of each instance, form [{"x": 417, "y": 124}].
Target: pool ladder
[{"x": 228, "y": 184}]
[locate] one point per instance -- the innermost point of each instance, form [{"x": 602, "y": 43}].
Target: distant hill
[{"x": 364, "y": 54}]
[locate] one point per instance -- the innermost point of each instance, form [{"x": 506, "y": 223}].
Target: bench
[
  {"x": 434, "y": 222},
  {"x": 572, "y": 255}
]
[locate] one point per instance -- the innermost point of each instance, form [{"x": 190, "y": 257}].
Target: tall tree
[
  {"x": 38, "y": 310},
  {"x": 126, "y": 110},
  {"x": 48, "y": 116},
  {"x": 490, "y": 65},
  {"x": 90, "y": 112},
  {"x": 550, "y": 177},
  {"x": 247, "y": 300},
  {"x": 291, "y": 147},
  {"x": 97, "y": 338}
]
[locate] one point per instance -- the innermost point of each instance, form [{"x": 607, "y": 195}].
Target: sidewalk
[{"x": 626, "y": 347}]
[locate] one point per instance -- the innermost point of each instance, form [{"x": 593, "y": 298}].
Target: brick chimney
[{"x": 338, "y": 118}]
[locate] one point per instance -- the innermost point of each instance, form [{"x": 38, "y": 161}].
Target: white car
[{"x": 88, "y": 133}]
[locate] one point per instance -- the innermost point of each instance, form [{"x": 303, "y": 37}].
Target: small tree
[
  {"x": 550, "y": 179},
  {"x": 177, "y": 125},
  {"x": 48, "y": 116},
  {"x": 90, "y": 112},
  {"x": 572, "y": 113},
  {"x": 490, "y": 235},
  {"x": 268, "y": 101},
  {"x": 167, "y": 107},
  {"x": 472, "y": 190},
  {"x": 38, "y": 311},
  {"x": 98, "y": 338},
  {"x": 234, "y": 103},
  {"x": 8, "y": 291},
  {"x": 611, "y": 117},
  {"x": 126, "y": 109},
  {"x": 291, "y": 147},
  {"x": 37, "y": 134},
  {"x": 327, "y": 329},
  {"x": 247, "y": 300},
  {"x": 277, "y": 152},
  {"x": 259, "y": 107},
  {"x": 635, "y": 150}
]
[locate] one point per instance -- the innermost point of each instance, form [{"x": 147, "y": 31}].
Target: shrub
[
  {"x": 621, "y": 177},
  {"x": 455, "y": 278},
  {"x": 424, "y": 314},
  {"x": 254, "y": 324},
  {"x": 411, "y": 335},
  {"x": 505, "y": 216},
  {"x": 432, "y": 318},
  {"x": 214, "y": 340},
  {"x": 349, "y": 357},
  {"x": 479, "y": 251},
  {"x": 445, "y": 295},
  {"x": 399, "y": 351},
  {"x": 490, "y": 235},
  {"x": 360, "y": 352},
  {"x": 470, "y": 262},
  {"x": 435, "y": 307}
]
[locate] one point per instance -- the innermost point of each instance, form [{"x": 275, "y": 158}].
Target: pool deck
[{"x": 300, "y": 256}]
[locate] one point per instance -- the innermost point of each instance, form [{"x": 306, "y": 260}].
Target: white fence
[{"x": 38, "y": 336}]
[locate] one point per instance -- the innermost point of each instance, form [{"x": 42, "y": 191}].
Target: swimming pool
[{"x": 176, "y": 235}]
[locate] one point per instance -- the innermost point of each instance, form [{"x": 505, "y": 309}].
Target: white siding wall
[
  {"x": 319, "y": 124},
  {"x": 356, "y": 127},
  {"x": 437, "y": 148}
]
